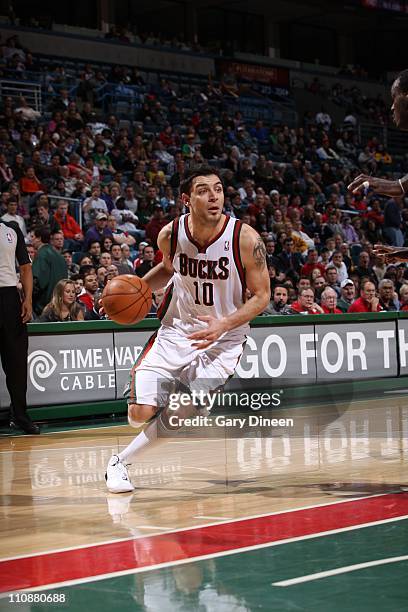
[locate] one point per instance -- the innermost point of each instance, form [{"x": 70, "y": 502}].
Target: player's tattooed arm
[{"x": 259, "y": 253}]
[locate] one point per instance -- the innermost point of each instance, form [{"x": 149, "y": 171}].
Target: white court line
[
  {"x": 151, "y": 527},
  {"x": 339, "y": 570},
  {"x": 223, "y": 553},
  {"x": 236, "y": 520},
  {"x": 220, "y": 518}
]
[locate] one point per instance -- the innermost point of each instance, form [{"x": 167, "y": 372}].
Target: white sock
[{"x": 146, "y": 437}]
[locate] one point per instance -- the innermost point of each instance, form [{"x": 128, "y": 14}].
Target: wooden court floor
[{"x": 308, "y": 517}]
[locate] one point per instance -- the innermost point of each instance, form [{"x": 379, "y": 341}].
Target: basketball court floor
[{"x": 311, "y": 517}]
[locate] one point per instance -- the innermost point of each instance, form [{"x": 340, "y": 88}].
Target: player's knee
[{"x": 138, "y": 414}]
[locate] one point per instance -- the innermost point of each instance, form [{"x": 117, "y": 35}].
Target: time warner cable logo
[{"x": 42, "y": 365}]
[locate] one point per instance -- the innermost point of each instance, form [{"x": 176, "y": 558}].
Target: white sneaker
[{"x": 117, "y": 477}]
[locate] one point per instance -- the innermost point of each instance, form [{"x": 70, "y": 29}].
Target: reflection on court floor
[{"x": 53, "y": 498}]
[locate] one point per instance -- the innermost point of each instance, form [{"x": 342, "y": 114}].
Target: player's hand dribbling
[
  {"x": 205, "y": 337},
  {"x": 363, "y": 181}
]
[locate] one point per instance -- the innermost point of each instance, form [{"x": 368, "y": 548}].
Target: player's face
[
  {"x": 399, "y": 106},
  {"x": 206, "y": 199}
]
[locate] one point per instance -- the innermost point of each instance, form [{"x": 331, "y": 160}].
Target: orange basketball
[{"x": 127, "y": 299}]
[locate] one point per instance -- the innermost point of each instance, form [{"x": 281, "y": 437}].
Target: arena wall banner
[
  {"x": 271, "y": 75},
  {"x": 91, "y": 361}
]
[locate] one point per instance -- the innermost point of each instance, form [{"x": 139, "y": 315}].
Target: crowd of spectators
[
  {"x": 91, "y": 196},
  {"x": 357, "y": 104}
]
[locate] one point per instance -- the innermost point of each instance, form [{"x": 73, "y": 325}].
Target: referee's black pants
[{"x": 13, "y": 348}]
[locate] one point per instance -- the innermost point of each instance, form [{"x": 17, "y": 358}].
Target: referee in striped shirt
[{"x": 14, "y": 316}]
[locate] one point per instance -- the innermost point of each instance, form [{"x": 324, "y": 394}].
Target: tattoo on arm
[{"x": 260, "y": 253}]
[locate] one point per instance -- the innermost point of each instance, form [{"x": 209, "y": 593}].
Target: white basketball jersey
[{"x": 207, "y": 280}]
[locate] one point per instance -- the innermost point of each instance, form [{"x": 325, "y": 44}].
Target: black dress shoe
[{"x": 25, "y": 423}]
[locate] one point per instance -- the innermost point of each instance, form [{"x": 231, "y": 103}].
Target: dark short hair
[
  {"x": 186, "y": 182},
  {"x": 85, "y": 269},
  {"x": 43, "y": 233}
]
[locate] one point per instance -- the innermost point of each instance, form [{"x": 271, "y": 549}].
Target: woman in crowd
[{"x": 63, "y": 305}]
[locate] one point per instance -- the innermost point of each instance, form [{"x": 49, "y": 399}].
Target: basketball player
[
  {"x": 398, "y": 188},
  {"x": 209, "y": 260},
  {"x": 393, "y": 189}
]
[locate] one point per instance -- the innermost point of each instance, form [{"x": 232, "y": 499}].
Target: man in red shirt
[
  {"x": 312, "y": 263},
  {"x": 91, "y": 287},
  {"x": 368, "y": 301},
  {"x": 329, "y": 301},
  {"x": 305, "y": 303},
  {"x": 72, "y": 232},
  {"x": 156, "y": 223}
]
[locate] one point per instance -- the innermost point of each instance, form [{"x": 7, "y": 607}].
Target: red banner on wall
[{"x": 256, "y": 72}]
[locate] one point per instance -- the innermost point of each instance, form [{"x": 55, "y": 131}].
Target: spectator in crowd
[
  {"x": 329, "y": 301},
  {"x": 105, "y": 259},
  {"x": 287, "y": 182},
  {"x": 312, "y": 263},
  {"x": 388, "y": 297},
  {"x": 48, "y": 268},
  {"x": 11, "y": 215},
  {"x": 117, "y": 260},
  {"x": 90, "y": 294},
  {"x": 73, "y": 268},
  {"x": 332, "y": 279},
  {"x": 111, "y": 272},
  {"x": 29, "y": 183},
  {"x": 403, "y": 298},
  {"x": 348, "y": 295},
  {"x": 63, "y": 305},
  {"x": 98, "y": 231},
  {"x": 318, "y": 286},
  {"x": 338, "y": 263},
  {"x": 364, "y": 269},
  {"x": 72, "y": 232},
  {"x": 44, "y": 217},
  {"x": 368, "y": 301},
  {"x": 305, "y": 303},
  {"x": 289, "y": 260},
  {"x": 94, "y": 205},
  {"x": 95, "y": 251},
  {"x": 393, "y": 222},
  {"x": 279, "y": 302},
  {"x": 57, "y": 241},
  {"x": 148, "y": 261},
  {"x": 156, "y": 224},
  {"x": 348, "y": 231}
]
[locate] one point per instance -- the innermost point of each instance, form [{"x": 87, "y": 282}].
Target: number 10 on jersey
[{"x": 207, "y": 294}]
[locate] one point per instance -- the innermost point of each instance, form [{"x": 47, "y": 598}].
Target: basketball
[{"x": 127, "y": 299}]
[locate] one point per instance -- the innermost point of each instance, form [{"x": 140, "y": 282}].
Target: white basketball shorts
[{"x": 169, "y": 358}]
